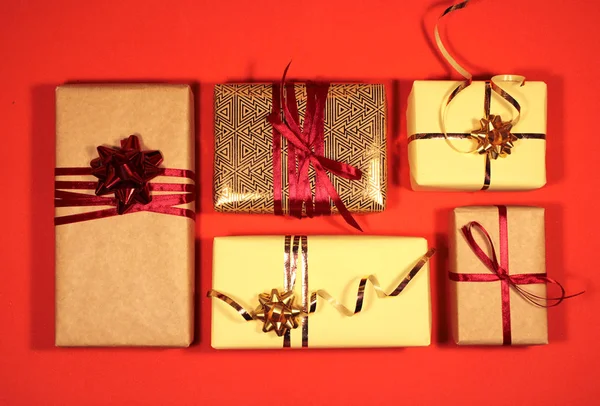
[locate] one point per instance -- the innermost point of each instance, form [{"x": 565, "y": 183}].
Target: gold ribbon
[
  {"x": 279, "y": 313},
  {"x": 495, "y": 138}
]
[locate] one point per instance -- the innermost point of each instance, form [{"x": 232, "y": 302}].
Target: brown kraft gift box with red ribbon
[
  {"x": 498, "y": 276},
  {"x": 124, "y": 219},
  {"x": 300, "y": 149}
]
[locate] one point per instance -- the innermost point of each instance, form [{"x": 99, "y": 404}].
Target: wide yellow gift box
[
  {"x": 328, "y": 270},
  {"x": 445, "y": 163}
]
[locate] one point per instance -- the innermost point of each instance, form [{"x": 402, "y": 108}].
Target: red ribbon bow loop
[
  {"x": 306, "y": 148},
  {"x": 500, "y": 272}
]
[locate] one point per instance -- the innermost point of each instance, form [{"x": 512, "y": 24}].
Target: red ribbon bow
[
  {"x": 500, "y": 272},
  {"x": 126, "y": 172},
  {"x": 305, "y": 148}
]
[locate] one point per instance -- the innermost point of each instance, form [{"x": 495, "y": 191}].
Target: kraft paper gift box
[
  {"x": 245, "y": 267},
  {"x": 477, "y": 306},
  {"x": 436, "y": 165},
  {"x": 354, "y": 133},
  {"x": 124, "y": 280}
]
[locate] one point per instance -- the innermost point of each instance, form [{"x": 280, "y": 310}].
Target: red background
[{"x": 46, "y": 43}]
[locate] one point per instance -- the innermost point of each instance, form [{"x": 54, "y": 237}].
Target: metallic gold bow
[
  {"x": 494, "y": 138},
  {"x": 277, "y": 311}
]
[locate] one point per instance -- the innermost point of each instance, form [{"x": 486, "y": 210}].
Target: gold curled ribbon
[
  {"x": 274, "y": 321},
  {"x": 494, "y": 139},
  {"x": 360, "y": 294},
  {"x": 494, "y": 84},
  {"x": 438, "y": 40}
]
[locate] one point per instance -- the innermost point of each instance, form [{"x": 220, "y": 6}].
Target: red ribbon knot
[
  {"x": 125, "y": 172},
  {"x": 306, "y": 147}
]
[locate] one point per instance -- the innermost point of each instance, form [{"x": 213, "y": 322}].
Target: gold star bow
[
  {"x": 277, "y": 312},
  {"x": 494, "y": 137}
]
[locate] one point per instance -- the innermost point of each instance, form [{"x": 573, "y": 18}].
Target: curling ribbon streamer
[
  {"x": 124, "y": 172},
  {"x": 500, "y": 272},
  {"x": 310, "y": 305},
  {"x": 484, "y": 144},
  {"x": 306, "y": 147}
]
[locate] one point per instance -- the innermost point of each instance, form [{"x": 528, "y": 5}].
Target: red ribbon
[
  {"x": 124, "y": 172},
  {"x": 306, "y": 147},
  {"x": 500, "y": 273}
]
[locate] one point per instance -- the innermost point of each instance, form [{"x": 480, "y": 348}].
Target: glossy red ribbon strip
[
  {"x": 162, "y": 203},
  {"x": 500, "y": 272},
  {"x": 306, "y": 147}
]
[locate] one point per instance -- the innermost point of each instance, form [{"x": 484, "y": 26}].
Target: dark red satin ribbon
[
  {"x": 160, "y": 203},
  {"x": 306, "y": 147},
  {"x": 500, "y": 273}
]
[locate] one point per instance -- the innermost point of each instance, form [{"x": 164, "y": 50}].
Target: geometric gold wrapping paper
[
  {"x": 244, "y": 267},
  {"x": 435, "y": 165},
  {"x": 126, "y": 280},
  {"x": 354, "y": 133},
  {"x": 476, "y": 307}
]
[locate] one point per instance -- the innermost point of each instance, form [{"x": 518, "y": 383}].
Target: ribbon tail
[
  {"x": 340, "y": 169},
  {"x": 360, "y": 294},
  {"x": 238, "y": 308},
  {"x": 438, "y": 40},
  {"x": 290, "y": 120},
  {"x": 92, "y": 215},
  {"x": 335, "y": 197},
  {"x": 545, "y": 301},
  {"x": 505, "y": 95}
]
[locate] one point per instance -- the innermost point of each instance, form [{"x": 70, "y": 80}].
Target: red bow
[
  {"x": 306, "y": 148},
  {"x": 126, "y": 172},
  {"x": 501, "y": 273}
]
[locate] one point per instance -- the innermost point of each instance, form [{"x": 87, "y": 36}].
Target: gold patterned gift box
[
  {"x": 245, "y": 167},
  {"x": 125, "y": 254},
  {"x": 320, "y": 271}
]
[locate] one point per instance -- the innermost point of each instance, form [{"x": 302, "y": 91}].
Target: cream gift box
[
  {"x": 244, "y": 267},
  {"x": 434, "y": 164}
]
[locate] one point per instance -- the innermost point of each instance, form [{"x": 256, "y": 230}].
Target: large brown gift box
[
  {"x": 124, "y": 280},
  {"x": 354, "y": 133},
  {"x": 477, "y": 308}
]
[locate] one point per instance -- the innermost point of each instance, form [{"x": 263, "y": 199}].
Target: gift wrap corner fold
[
  {"x": 128, "y": 279},
  {"x": 244, "y": 267},
  {"x": 480, "y": 313},
  {"x": 435, "y": 165}
]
